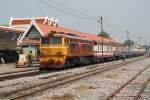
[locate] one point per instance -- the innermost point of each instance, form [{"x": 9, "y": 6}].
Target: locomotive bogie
[{"x": 52, "y": 61}]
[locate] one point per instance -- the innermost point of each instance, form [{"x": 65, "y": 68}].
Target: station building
[
  {"x": 32, "y": 29},
  {"x": 11, "y": 34},
  {"x": 30, "y": 39}
]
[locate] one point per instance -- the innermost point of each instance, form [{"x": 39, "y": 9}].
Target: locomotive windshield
[
  {"x": 51, "y": 40},
  {"x": 45, "y": 41},
  {"x": 57, "y": 40}
]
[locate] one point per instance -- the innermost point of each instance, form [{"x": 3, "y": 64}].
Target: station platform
[{"x": 11, "y": 68}]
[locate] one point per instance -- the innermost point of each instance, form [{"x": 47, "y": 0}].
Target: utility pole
[
  {"x": 145, "y": 46},
  {"x": 128, "y": 39},
  {"x": 145, "y": 42},
  {"x": 100, "y": 20},
  {"x": 128, "y": 35},
  {"x": 139, "y": 41}
]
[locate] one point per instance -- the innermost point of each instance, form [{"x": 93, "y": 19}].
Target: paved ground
[{"x": 7, "y": 68}]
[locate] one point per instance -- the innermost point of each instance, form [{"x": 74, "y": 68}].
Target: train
[{"x": 60, "y": 49}]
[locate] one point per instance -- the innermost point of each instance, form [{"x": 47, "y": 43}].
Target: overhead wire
[
  {"x": 67, "y": 7},
  {"x": 113, "y": 27},
  {"x": 50, "y": 5}
]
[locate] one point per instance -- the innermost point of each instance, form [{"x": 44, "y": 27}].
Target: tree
[
  {"x": 129, "y": 42},
  {"x": 104, "y": 34}
]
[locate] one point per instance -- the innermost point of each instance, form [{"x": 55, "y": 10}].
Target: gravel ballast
[
  {"x": 100, "y": 86},
  {"x": 95, "y": 87}
]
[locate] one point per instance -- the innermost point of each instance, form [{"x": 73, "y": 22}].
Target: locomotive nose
[
  {"x": 59, "y": 52},
  {"x": 53, "y": 56}
]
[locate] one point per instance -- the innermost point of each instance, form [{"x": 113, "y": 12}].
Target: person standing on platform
[
  {"x": 123, "y": 56},
  {"x": 30, "y": 59}
]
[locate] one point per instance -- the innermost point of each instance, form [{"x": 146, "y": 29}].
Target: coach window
[
  {"x": 96, "y": 48},
  {"x": 107, "y": 47},
  {"x": 104, "y": 47},
  {"x": 99, "y": 48},
  {"x": 71, "y": 40},
  {"x": 45, "y": 41},
  {"x": 111, "y": 48},
  {"x": 66, "y": 41}
]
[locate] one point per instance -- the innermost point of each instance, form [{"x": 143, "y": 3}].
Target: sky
[{"x": 118, "y": 15}]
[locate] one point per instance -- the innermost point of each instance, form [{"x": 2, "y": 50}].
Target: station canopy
[{"x": 8, "y": 37}]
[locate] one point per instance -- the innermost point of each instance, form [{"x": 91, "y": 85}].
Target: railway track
[
  {"x": 139, "y": 93},
  {"x": 18, "y": 74},
  {"x": 137, "y": 97},
  {"x": 25, "y": 73},
  {"x": 29, "y": 72},
  {"x": 51, "y": 82}
]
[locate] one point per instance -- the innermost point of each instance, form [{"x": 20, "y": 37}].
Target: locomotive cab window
[
  {"x": 57, "y": 40},
  {"x": 45, "y": 41}
]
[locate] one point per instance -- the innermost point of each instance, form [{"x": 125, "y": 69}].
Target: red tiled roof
[
  {"x": 42, "y": 20},
  {"x": 47, "y": 29},
  {"x": 10, "y": 29},
  {"x": 20, "y": 22},
  {"x": 26, "y": 21}
]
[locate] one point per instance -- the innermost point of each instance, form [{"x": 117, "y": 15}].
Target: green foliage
[{"x": 104, "y": 34}]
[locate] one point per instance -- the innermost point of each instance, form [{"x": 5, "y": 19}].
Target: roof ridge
[{"x": 47, "y": 29}]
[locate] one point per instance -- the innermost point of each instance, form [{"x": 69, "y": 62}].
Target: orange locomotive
[{"x": 61, "y": 50}]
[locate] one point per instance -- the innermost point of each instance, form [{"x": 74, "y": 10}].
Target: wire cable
[
  {"x": 66, "y": 7},
  {"x": 113, "y": 27},
  {"x": 49, "y": 5}
]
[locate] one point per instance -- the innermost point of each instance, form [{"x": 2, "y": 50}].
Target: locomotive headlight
[
  {"x": 42, "y": 53},
  {"x": 59, "y": 53}
]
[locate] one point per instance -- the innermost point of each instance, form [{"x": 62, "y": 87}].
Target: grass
[
  {"x": 84, "y": 87},
  {"x": 111, "y": 76},
  {"x": 66, "y": 96},
  {"x": 124, "y": 69}
]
